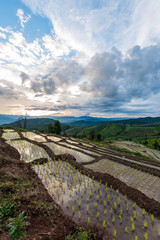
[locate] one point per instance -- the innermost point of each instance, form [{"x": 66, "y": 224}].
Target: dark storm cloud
[
  {"x": 111, "y": 79},
  {"x": 8, "y": 92},
  {"x": 24, "y": 77},
  {"x": 63, "y": 75},
  {"x": 119, "y": 78}
]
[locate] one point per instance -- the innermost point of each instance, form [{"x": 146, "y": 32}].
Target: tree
[
  {"x": 50, "y": 128},
  {"x": 92, "y": 135},
  {"x": 156, "y": 144},
  {"x": 99, "y": 137},
  {"x": 57, "y": 127}
]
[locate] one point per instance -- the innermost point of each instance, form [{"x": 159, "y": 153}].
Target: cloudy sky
[{"x": 87, "y": 57}]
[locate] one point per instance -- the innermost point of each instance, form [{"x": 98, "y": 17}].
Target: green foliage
[
  {"x": 92, "y": 135},
  {"x": 16, "y": 227},
  {"x": 57, "y": 127},
  {"x": 7, "y": 209},
  {"x": 79, "y": 235}
]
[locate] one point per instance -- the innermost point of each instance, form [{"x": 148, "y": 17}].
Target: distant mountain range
[
  {"x": 113, "y": 128},
  {"x": 39, "y": 124},
  {"x": 71, "y": 120}
]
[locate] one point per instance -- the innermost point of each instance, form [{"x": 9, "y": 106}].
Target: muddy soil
[{"x": 20, "y": 184}]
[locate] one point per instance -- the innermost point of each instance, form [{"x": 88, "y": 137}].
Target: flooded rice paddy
[
  {"x": 28, "y": 151},
  {"x": 34, "y": 136},
  {"x": 10, "y": 135},
  {"x": 57, "y": 149},
  {"x": 145, "y": 182},
  {"x": 87, "y": 200}
]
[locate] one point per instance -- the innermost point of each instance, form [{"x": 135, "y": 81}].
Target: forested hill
[{"x": 39, "y": 124}]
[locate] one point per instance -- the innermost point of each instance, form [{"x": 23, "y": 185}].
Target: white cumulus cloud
[{"x": 23, "y": 19}]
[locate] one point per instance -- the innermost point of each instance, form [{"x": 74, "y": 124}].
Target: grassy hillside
[{"x": 120, "y": 130}]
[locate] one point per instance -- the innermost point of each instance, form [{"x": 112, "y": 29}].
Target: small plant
[
  {"x": 145, "y": 224},
  {"x": 73, "y": 209},
  {"x": 111, "y": 211},
  {"x": 136, "y": 237},
  {"x": 146, "y": 236},
  {"x": 16, "y": 226},
  {"x": 126, "y": 230},
  {"x": 97, "y": 197},
  {"x": 121, "y": 212},
  {"x": 82, "y": 235},
  {"x": 113, "y": 219},
  {"x": 134, "y": 205},
  {"x": 105, "y": 211},
  {"x": 97, "y": 216},
  {"x": 89, "y": 219},
  {"x": 120, "y": 217},
  {"x": 127, "y": 207},
  {"x": 134, "y": 214},
  {"x": 114, "y": 233},
  {"x": 87, "y": 208},
  {"x": 105, "y": 203},
  {"x": 79, "y": 214},
  {"x": 152, "y": 217},
  {"x": 133, "y": 227},
  {"x": 104, "y": 224},
  {"x": 143, "y": 212},
  {"x": 79, "y": 203},
  {"x": 115, "y": 205},
  {"x": 119, "y": 201},
  {"x": 125, "y": 198},
  {"x": 7, "y": 210}
]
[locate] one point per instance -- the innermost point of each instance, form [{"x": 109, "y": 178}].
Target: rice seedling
[
  {"x": 119, "y": 201},
  {"x": 73, "y": 209},
  {"x": 134, "y": 214},
  {"x": 114, "y": 233},
  {"x": 97, "y": 215},
  {"x": 105, "y": 211},
  {"x": 120, "y": 217},
  {"x": 126, "y": 230},
  {"x": 143, "y": 211},
  {"x": 145, "y": 224},
  {"x": 105, "y": 203},
  {"x": 152, "y": 217},
  {"x": 146, "y": 236},
  {"x": 87, "y": 208},
  {"x": 104, "y": 224}
]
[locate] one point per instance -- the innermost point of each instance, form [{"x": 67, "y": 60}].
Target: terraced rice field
[
  {"x": 91, "y": 201},
  {"x": 135, "y": 147},
  {"x": 9, "y": 135},
  {"x": 87, "y": 200},
  {"x": 57, "y": 149},
  {"x": 34, "y": 136},
  {"x": 145, "y": 182},
  {"x": 28, "y": 151}
]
